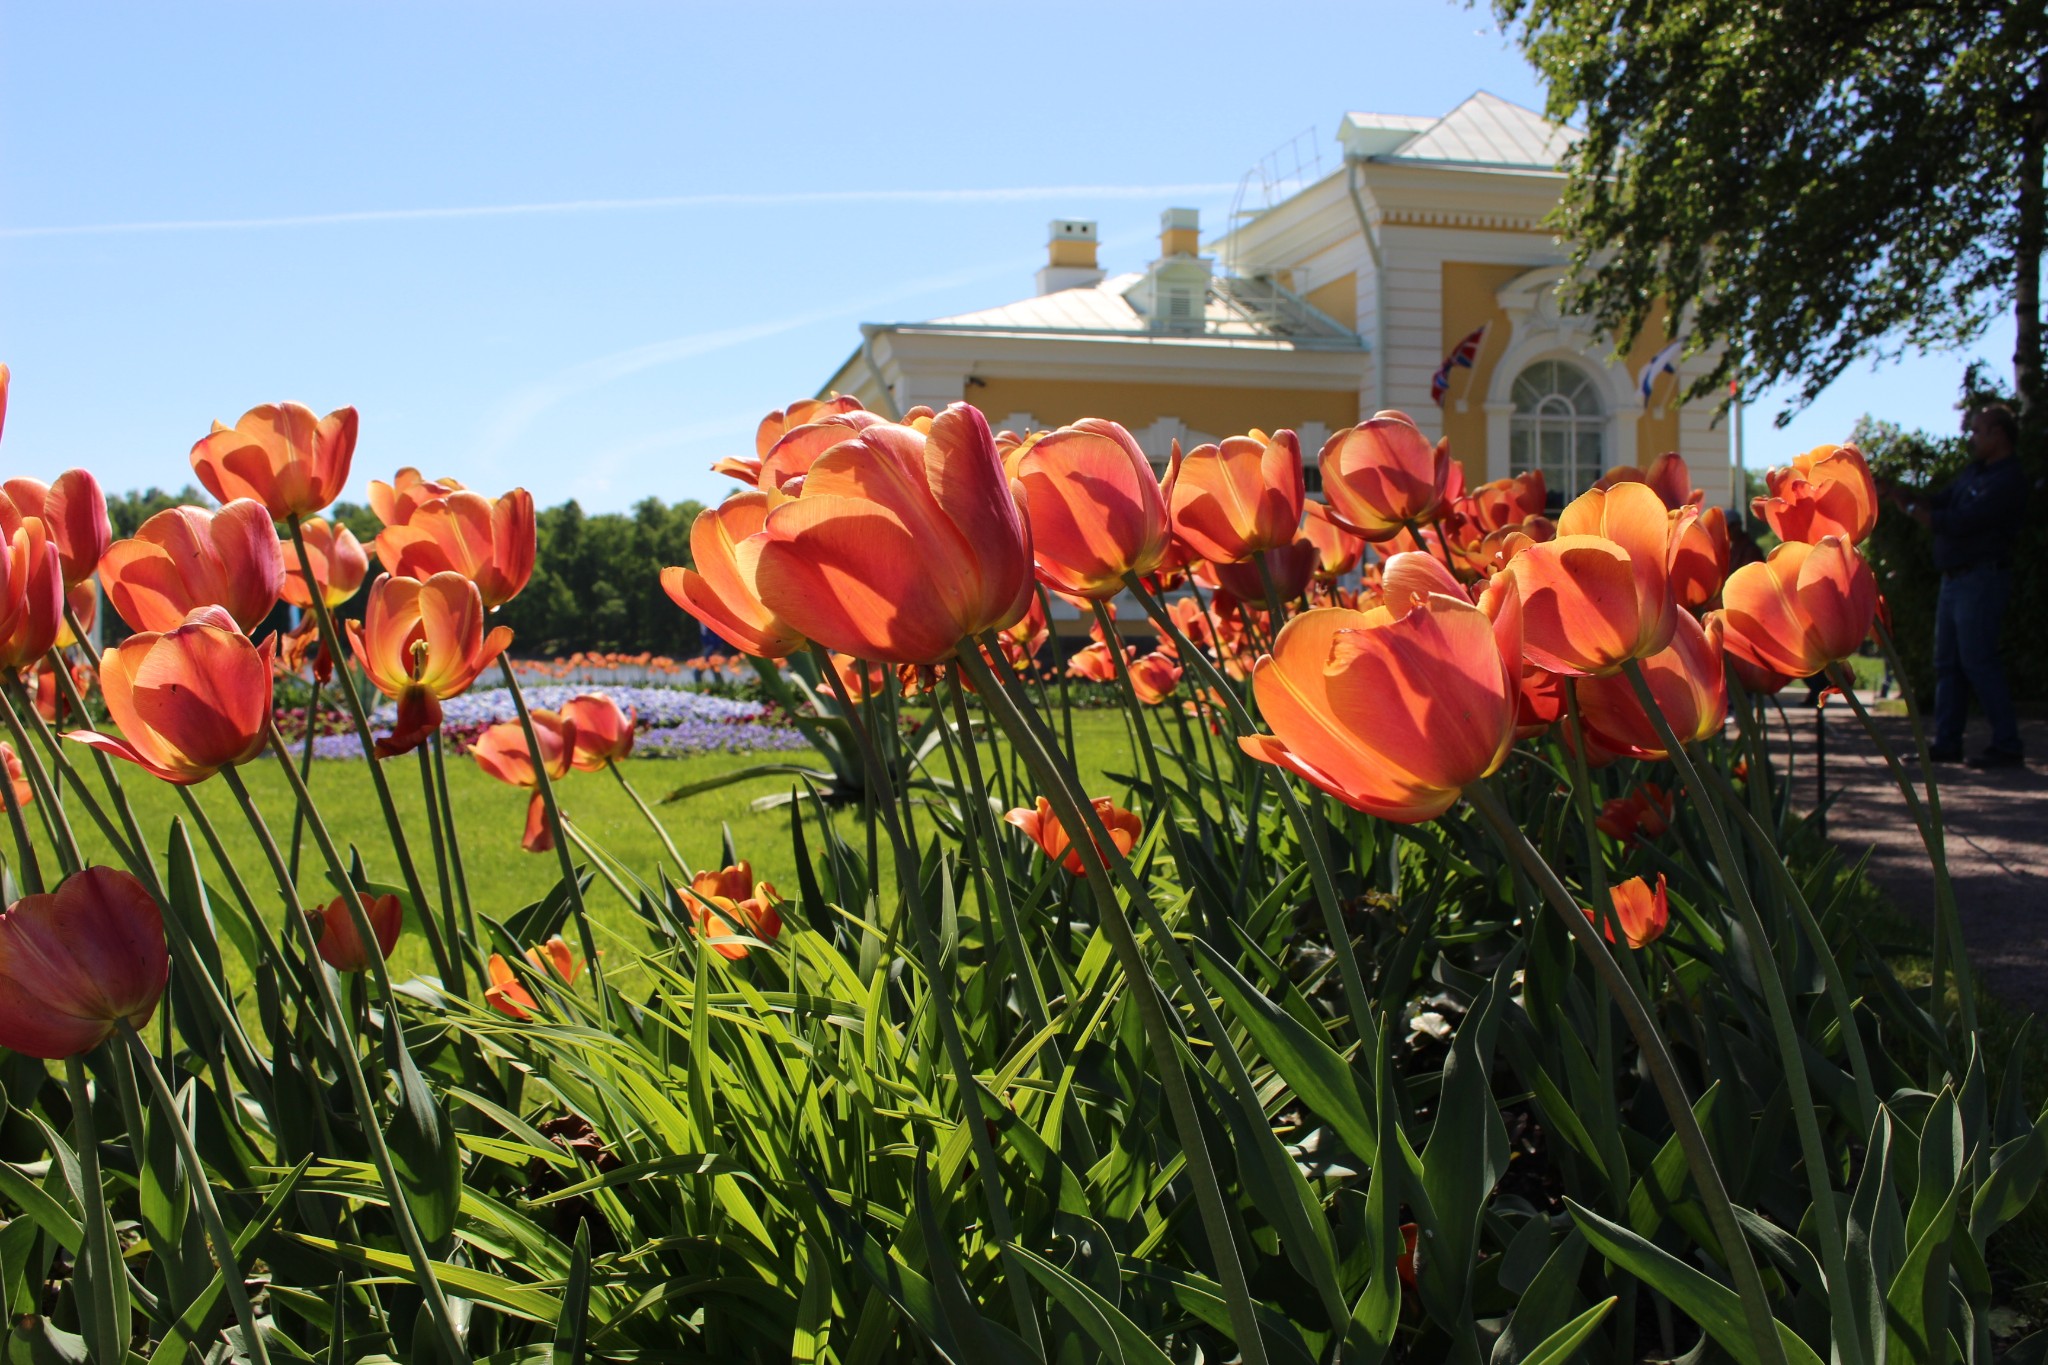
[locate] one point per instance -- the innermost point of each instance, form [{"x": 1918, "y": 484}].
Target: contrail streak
[{"x": 1005, "y": 195}]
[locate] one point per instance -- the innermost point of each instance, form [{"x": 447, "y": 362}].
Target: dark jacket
[{"x": 1978, "y": 516}]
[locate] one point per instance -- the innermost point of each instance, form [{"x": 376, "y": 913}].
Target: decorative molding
[{"x": 1486, "y": 222}]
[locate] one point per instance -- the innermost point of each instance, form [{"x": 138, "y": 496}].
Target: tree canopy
[{"x": 1810, "y": 182}]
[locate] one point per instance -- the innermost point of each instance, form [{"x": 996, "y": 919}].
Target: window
[{"x": 1558, "y": 428}]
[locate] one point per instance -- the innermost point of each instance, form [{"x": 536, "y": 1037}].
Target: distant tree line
[{"x": 596, "y": 580}]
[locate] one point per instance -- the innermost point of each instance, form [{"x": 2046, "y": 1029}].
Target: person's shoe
[
  {"x": 1998, "y": 758},
  {"x": 1942, "y": 754}
]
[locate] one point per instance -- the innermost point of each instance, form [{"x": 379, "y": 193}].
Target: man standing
[{"x": 1975, "y": 522}]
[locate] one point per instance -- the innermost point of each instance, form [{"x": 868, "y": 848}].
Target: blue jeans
[{"x": 1967, "y": 617}]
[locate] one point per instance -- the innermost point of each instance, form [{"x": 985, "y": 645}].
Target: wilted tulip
[
  {"x": 77, "y": 961},
  {"x": 1230, "y": 501},
  {"x": 1687, "y": 679},
  {"x": 900, "y": 545},
  {"x": 1154, "y": 676},
  {"x": 489, "y": 543},
  {"x": 1044, "y": 829},
  {"x": 74, "y": 512},
  {"x": 1384, "y": 474},
  {"x": 342, "y": 948},
  {"x": 184, "y": 558},
  {"x": 1642, "y": 913},
  {"x": 339, "y": 564},
  {"x": 281, "y": 455},
  {"x": 502, "y": 753},
  {"x": 188, "y": 701},
  {"x": 718, "y": 591},
  {"x": 1097, "y": 512},
  {"x": 604, "y": 733},
  {"x": 1337, "y": 549},
  {"x": 420, "y": 644},
  {"x": 1394, "y": 710},
  {"x": 1827, "y": 491},
  {"x": 31, "y": 590},
  {"x": 1798, "y": 610},
  {"x": 1699, "y": 557},
  {"x": 1600, "y": 594},
  {"x": 732, "y": 906}
]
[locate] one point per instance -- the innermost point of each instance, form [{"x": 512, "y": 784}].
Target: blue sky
[{"x": 584, "y": 247}]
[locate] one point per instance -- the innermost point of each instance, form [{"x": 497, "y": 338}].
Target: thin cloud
[{"x": 1001, "y": 195}]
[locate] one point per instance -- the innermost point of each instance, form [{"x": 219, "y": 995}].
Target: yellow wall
[
  {"x": 1654, "y": 435},
  {"x": 1470, "y": 298},
  {"x": 1338, "y": 298},
  {"x": 1214, "y": 408}
]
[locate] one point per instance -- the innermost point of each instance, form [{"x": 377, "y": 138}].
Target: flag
[
  {"x": 1461, "y": 356},
  {"x": 1664, "y": 362}
]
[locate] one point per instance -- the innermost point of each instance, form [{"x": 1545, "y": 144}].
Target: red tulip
[
  {"x": 734, "y": 907},
  {"x": 420, "y": 644},
  {"x": 1687, "y": 679},
  {"x": 1397, "y": 709},
  {"x": 1230, "y": 501},
  {"x": 1644, "y": 812},
  {"x": 1600, "y": 594},
  {"x": 185, "y": 558},
  {"x": 281, "y": 455},
  {"x": 74, "y": 512},
  {"x": 604, "y": 733},
  {"x": 1642, "y": 913},
  {"x": 1044, "y": 829},
  {"x": 1383, "y": 474},
  {"x": 1337, "y": 549},
  {"x": 899, "y": 545},
  {"x": 1154, "y": 676},
  {"x": 189, "y": 701},
  {"x": 489, "y": 543},
  {"x": 718, "y": 591},
  {"x": 339, "y": 564},
  {"x": 1799, "y": 610},
  {"x": 1097, "y": 512},
  {"x": 31, "y": 590},
  {"x": 77, "y": 961},
  {"x": 342, "y": 948},
  {"x": 1828, "y": 491}
]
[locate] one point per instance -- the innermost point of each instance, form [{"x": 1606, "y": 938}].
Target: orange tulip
[
  {"x": 1154, "y": 676},
  {"x": 189, "y": 701},
  {"x": 420, "y": 644},
  {"x": 802, "y": 413},
  {"x": 1668, "y": 477},
  {"x": 855, "y": 681},
  {"x": 51, "y": 704},
  {"x": 74, "y": 512},
  {"x": 395, "y": 502},
  {"x": 342, "y": 948},
  {"x": 507, "y": 995},
  {"x": 1539, "y": 703},
  {"x": 489, "y": 543},
  {"x": 187, "y": 557},
  {"x": 31, "y": 590},
  {"x": 1505, "y": 503},
  {"x": 1689, "y": 682},
  {"x": 77, "y": 961},
  {"x": 281, "y": 455},
  {"x": 1600, "y": 594},
  {"x": 1828, "y": 491},
  {"x": 1292, "y": 568},
  {"x": 1044, "y": 829},
  {"x": 604, "y": 733},
  {"x": 900, "y": 544},
  {"x": 1699, "y": 557},
  {"x": 733, "y": 906},
  {"x": 339, "y": 564},
  {"x": 1097, "y": 512},
  {"x": 502, "y": 753},
  {"x": 1396, "y": 709},
  {"x": 16, "y": 776},
  {"x": 1799, "y": 610},
  {"x": 83, "y": 599},
  {"x": 792, "y": 456},
  {"x": 1230, "y": 501},
  {"x": 718, "y": 591},
  {"x": 1093, "y": 663},
  {"x": 1642, "y": 913},
  {"x": 1383, "y": 474},
  {"x": 1337, "y": 549}
]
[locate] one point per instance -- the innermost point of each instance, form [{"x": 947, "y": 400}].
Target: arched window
[{"x": 1558, "y": 428}]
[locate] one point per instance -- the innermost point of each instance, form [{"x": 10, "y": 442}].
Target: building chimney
[
  {"x": 1070, "y": 256},
  {"x": 1180, "y": 233}
]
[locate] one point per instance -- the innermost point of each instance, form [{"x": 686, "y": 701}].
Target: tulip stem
[
  {"x": 1849, "y": 1342},
  {"x": 564, "y": 859},
  {"x": 1091, "y": 841},
  {"x": 61, "y": 837},
  {"x": 351, "y": 1064},
  {"x": 305, "y": 771},
  {"x": 134, "y": 851},
  {"x": 474, "y": 939},
  {"x": 202, "y": 1194},
  {"x": 1692, "y": 1140},
  {"x": 439, "y": 842},
  {"x": 31, "y": 868},
  {"x": 647, "y": 813},
  {"x": 451, "y": 970},
  {"x": 105, "y": 1318}
]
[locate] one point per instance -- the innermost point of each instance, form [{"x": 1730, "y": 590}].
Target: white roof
[
  {"x": 1235, "y": 311},
  {"x": 1098, "y": 307},
  {"x": 1485, "y": 130}
]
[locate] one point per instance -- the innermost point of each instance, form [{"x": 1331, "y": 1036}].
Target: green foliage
[
  {"x": 596, "y": 583},
  {"x": 127, "y": 511},
  {"x": 1810, "y": 181}
]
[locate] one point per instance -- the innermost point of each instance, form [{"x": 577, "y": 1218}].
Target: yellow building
[{"x": 1345, "y": 296}]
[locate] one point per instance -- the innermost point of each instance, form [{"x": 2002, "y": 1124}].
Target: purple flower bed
[{"x": 674, "y": 723}]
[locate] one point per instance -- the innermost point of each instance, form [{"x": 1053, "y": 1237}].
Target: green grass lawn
[{"x": 490, "y": 817}]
